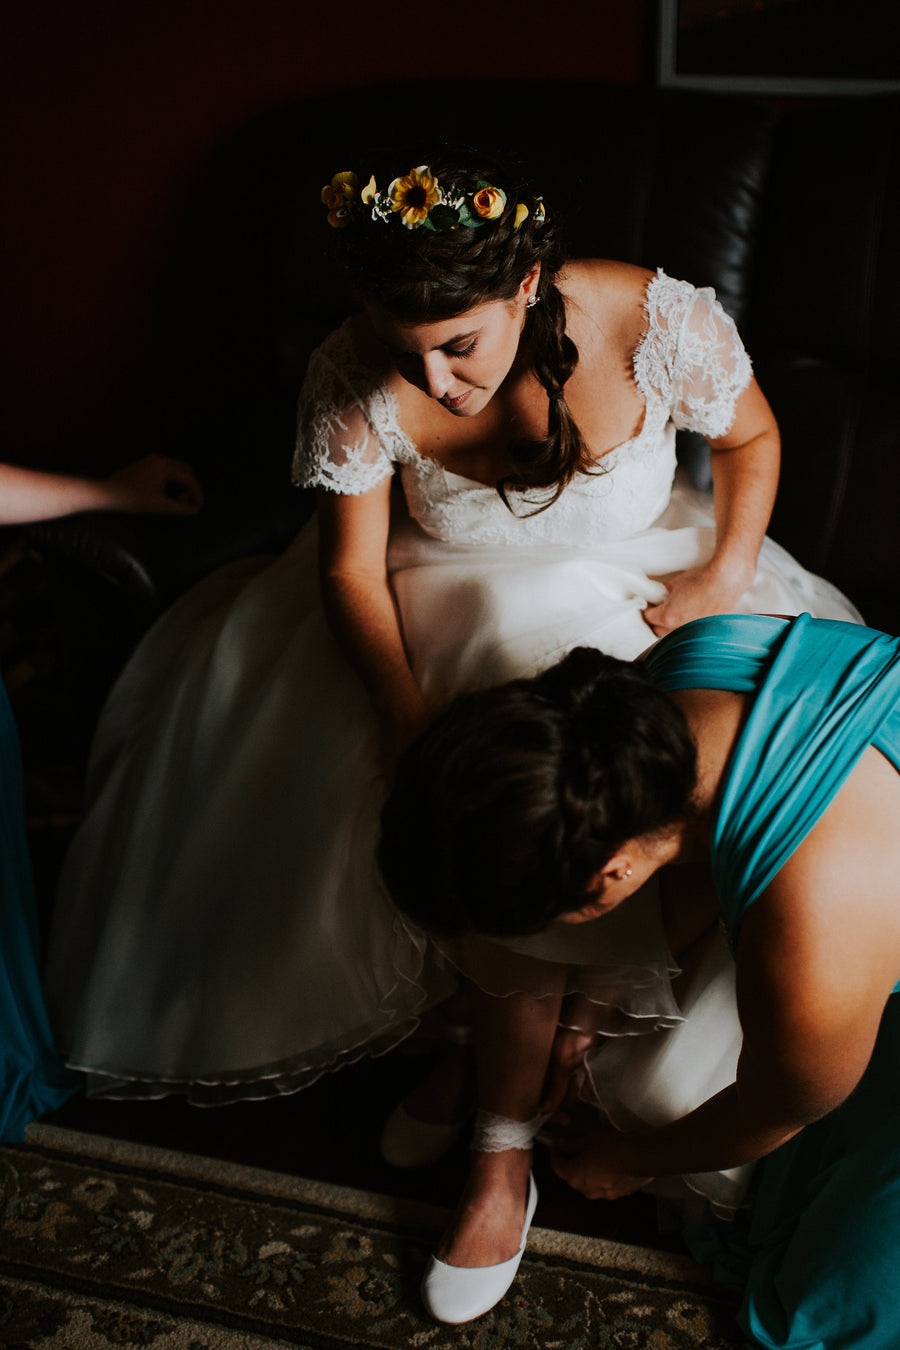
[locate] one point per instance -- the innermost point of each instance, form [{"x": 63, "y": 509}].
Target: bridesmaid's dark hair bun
[{"x": 515, "y": 797}]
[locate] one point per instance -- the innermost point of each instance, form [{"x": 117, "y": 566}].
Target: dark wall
[{"x": 112, "y": 109}]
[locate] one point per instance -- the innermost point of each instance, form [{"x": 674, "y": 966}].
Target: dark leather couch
[{"x": 791, "y": 212}]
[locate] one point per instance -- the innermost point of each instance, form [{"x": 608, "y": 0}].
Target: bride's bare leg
[
  {"x": 513, "y": 1040},
  {"x": 445, "y": 1093}
]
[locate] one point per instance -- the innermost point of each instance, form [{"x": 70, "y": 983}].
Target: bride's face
[{"x": 460, "y": 362}]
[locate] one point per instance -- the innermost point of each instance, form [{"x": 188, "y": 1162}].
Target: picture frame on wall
[{"x": 788, "y": 47}]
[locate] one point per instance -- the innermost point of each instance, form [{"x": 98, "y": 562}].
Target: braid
[{"x": 554, "y": 460}]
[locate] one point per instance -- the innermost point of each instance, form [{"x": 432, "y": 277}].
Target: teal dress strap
[
  {"x": 824, "y": 691},
  {"x": 728, "y": 651}
]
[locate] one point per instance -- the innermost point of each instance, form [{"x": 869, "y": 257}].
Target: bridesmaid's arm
[
  {"x": 154, "y": 485},
  {"x": 360, "y": 606},
  {"x": 764, "y": 1108},
  {"x": 809, "y": 1030},
  {"x": 606, "y": 1165}
]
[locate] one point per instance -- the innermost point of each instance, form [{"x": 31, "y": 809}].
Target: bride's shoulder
[{"x": 605, "y": 302}]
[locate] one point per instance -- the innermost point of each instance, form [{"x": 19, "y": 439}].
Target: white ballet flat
[
  {"x": 408, "y": 1142},
  {"x": 457, "y": 1294}
]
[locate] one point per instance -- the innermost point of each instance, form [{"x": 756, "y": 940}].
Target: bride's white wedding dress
[{"x": 221, "y": 927}]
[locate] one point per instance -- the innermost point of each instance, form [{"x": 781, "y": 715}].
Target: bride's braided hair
[
  {"x": 516, "y": 796},
  {"x": 421, "y": 275}
]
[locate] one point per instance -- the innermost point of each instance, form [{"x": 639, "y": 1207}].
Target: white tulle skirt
[{"x": 221, "y": 927}]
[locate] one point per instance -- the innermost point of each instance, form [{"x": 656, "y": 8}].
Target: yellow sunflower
[{"x": 414, "y": 196}]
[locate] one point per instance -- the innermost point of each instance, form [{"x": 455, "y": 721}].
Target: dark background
[{"x": 112, "y": 109}]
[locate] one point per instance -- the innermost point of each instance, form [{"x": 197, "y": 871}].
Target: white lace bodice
[{"x": 690, "y": 366}]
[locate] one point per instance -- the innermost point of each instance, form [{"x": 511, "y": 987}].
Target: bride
[{"x": 493, "y": 443}]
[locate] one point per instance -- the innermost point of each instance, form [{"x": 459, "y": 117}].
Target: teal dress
[
  {"x": 819, "y": 1255},
  {"x": 33, "y": 1079}
]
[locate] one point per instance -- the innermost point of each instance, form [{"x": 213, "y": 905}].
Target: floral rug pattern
[{"x": 108, "y": 1245}]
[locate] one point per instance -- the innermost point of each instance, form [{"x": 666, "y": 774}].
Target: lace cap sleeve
[
  {"x": 342, "y": 416},
  {"x": 692, "y": 356}
]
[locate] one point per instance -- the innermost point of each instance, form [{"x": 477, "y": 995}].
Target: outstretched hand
[
  {"x": 155, "y": 485},
  {"x": 695, "y": 594},
  {"x": 591, "y": 1163}
]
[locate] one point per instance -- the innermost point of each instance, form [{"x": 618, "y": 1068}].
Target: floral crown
[{"x": 420, "y": 200}]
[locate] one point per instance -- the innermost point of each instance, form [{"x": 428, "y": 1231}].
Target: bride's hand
[{"x": 697, "y": 593}]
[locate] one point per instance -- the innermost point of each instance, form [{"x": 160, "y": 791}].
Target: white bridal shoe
[{"x": 460, "y": 1293}]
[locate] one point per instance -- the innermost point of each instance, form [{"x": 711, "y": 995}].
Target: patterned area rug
[{"x": 107, "y": 1245}]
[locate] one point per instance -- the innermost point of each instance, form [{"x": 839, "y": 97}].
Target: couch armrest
[{"x": 152, "y": 559}]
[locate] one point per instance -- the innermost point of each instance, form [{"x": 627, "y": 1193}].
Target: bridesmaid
[{"x": 770, "y": 750}]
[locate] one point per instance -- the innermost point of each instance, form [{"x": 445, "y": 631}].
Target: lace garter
[{"x": 496, "y": 1134}]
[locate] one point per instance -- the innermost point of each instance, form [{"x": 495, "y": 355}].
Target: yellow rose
[
  {"x": 521, "y": 214},
  {"x": 337, "y": 196},
  {"x": 489, "y": 202},
  {"x": 414, "y": 196}
]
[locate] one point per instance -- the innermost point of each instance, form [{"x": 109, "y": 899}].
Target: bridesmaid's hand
[
  {"x": 696, "y": 594},
  {"x": 154, "y": 485},
  {"x": 593, "y": 1164}
]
